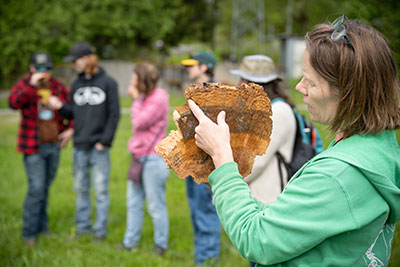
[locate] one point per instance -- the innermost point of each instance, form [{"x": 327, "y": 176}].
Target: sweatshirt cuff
[{"x": 223, "y": 172}]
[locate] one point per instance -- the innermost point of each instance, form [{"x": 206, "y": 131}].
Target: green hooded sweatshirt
[{"x": 340, "y": 209}]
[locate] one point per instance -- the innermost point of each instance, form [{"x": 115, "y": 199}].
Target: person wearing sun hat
[
  {"x": 42, "y": 134},
  {"x": 265, "y": 181},
  {"x": 257, "y": 69},
  {"x": 206, "y": 225}
]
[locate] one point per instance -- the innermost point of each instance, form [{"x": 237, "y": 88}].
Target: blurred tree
[{"x": 117, "y": 27}]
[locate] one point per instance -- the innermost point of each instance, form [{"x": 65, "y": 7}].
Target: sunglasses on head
[{"x": 340, "y": 30}]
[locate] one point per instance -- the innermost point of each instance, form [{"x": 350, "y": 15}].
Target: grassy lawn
[{"x": 58, "y": 250}]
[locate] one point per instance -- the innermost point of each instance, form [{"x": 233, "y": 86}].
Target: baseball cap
[
  {"x": 201, "y": 57},
  {"x": 79, "y": 49},
  {"x": 257, "y": 68},
  {"x": 41, "y": 59}
]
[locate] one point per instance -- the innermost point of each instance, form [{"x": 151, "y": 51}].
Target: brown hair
[
  {"x": 92, "y": 66},
  {"x": 148, "y": 76},
  {"x": 278, "y": 88},
  {"x": 365, "y": 80}
]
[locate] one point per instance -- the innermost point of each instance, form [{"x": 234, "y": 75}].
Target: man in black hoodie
[{"x": 94, "y": 106}]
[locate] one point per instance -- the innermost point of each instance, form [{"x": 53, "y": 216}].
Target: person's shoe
[
  {"x": 159, "y": 250},
  {"x": 31, "y": 242}
]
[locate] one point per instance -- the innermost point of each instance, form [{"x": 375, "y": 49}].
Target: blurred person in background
[
  {"x": 264, "y": 180},
  {"x": 206, "y": 225},
  {"x": 341, "y": 207},
  {"x": 269, "y": 175},
  {"x": 94, "y": 106},
  {"x": 149, "y": 118},
  {"x": 42, "y": 133}
]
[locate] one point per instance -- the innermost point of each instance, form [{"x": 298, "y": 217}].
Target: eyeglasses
[
  {"x": 340, "y": 31},
  {"x": 43, "y": 68}
]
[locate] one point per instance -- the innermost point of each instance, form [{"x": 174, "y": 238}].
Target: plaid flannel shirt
[{"x": 24, "y": 96}]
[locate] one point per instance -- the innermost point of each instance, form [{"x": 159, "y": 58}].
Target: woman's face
[
  {"x": 133, "y": 87},
  {"x": 134, "y": 80},
  {"x": 321, "y": 102}
]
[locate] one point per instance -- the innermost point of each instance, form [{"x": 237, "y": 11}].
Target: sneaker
[
  {"x": 31, "y": 242},
  {"x": 159, "y": 250}
]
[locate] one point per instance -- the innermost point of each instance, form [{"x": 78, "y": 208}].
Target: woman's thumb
[{"x": 221, "y": 117}]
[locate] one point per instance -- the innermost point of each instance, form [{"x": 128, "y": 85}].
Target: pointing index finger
[{"x": 198, "y": 113}]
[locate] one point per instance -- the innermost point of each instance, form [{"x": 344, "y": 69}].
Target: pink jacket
[{"x": 149, "y": 117}]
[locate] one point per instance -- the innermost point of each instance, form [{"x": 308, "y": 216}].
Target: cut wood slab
[{"x": 248, "y": 111}]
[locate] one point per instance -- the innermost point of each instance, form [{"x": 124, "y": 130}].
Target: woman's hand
[{"x": 214, "y": 139}]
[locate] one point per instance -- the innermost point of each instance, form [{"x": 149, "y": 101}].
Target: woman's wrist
[{"x": 224, "y": 157}]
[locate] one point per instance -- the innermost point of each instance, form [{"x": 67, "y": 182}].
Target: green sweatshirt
[{"x": 340, "y": 209}]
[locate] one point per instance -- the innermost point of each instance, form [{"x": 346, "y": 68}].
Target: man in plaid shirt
[{"x": 42, "y": 133}]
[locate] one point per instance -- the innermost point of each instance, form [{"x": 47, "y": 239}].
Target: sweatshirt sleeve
[
  {"x": 312, "y": 208},
  {"x": 65, "y": 98},
  {"x": 113, "y": 113},
  {"x": 66, "y": 110},
  {"x": 151, "y": 110}
]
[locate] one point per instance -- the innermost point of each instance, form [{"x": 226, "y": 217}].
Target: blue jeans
[
  {"x": 99, "y": 164},
  {"x": 155, "y": 175},
  {"x": 206, "y": 225},
  {"x": 40, "y": 170}
]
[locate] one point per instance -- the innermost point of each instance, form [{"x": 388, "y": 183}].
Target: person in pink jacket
[{"x": 149, "y": 119}]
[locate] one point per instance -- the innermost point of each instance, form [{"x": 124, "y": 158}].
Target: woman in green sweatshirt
[{"x": 340, "y": 209}]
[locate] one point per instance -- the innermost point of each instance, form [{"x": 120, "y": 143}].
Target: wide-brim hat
[{"x": 257, "y": 68}]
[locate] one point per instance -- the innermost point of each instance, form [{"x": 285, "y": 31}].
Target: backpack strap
[{"x": 280, "y": 161}]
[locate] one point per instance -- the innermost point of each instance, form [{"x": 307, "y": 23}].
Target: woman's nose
[{"x": 300, "y": 87}]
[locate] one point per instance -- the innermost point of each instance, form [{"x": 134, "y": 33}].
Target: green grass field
[{"x": 58, "y": 250}]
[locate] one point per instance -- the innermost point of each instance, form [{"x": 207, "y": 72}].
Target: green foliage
[{"x": 116, "y": 28}]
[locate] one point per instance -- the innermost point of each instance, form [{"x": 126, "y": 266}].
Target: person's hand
[
  {"x": 54, "y": 103},
  {"x": 133, "y": 92},
  {"x": 214, "y": 139},
  {"x": 65, "y": 136},
  {"x": 99, "y": 146},
  {"x": 36, "y": 77}
]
